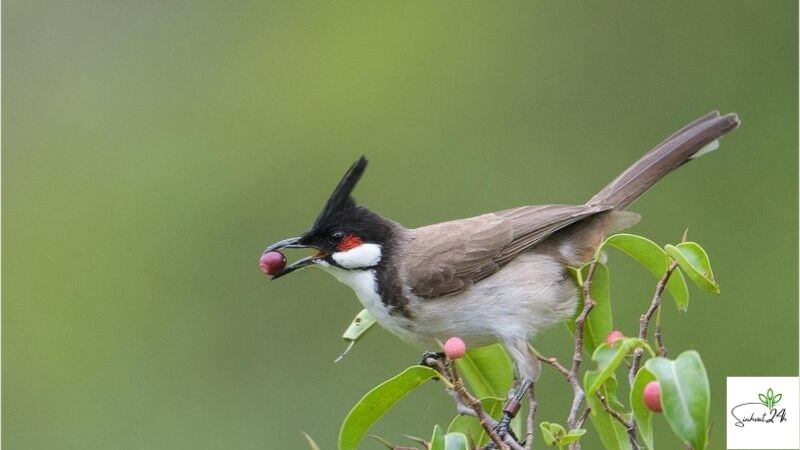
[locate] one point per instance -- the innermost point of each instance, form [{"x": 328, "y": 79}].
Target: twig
[
  {"x": 584, "y": 416},
  {"x": 630, "y": 426},
  {"x": 551, "y": 361},
  {"x": 644, "y": 320},
  {"x": 661, "y": 350},
  {"x": 577, "y": 391},
  {"x": 531, "y": 413},
  {"x": 486, "y": 422},
  {"x": 588, "y": 304}
]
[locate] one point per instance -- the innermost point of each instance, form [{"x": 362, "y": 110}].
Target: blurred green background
[{"x": 152, "y": 149}]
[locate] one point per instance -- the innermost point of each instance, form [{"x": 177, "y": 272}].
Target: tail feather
[{"x": 690, "y": 141}]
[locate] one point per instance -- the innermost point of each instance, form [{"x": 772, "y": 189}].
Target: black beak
[{"x": 295, "y": 242}]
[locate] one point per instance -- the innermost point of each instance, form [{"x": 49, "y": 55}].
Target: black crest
[{"x": 341, "y": 201}]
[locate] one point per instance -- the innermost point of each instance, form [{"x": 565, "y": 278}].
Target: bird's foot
[
  {"x": 502, "y": 430},
  {"x": 429, "y": 359},
  {"x": 510, "y": 410}
]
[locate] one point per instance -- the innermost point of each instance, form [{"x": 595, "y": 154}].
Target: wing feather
[{"x": 450, "y": 256}]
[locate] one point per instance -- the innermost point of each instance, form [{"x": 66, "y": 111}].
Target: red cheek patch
[{"x": 349, "y": 242}]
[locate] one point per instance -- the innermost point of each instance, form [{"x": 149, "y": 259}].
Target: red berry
[
  {"x": 272, "y": 262},
  {"x": 652, "y": 396},
  {"x": 454, "y": 348},
  {"x": 614, "y": 336}
]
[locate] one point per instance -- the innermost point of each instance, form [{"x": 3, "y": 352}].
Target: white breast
[{"x": 364, "y": 284}]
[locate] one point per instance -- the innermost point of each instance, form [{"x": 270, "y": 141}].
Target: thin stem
[
  {"x": 529, "y": 423},
  {"x": 588, "y": 304},
  {"x": 584, "y": 416},
  {"x": 661, "y": 350},
  {"x": 486, "y": 422},
  {"x": 630, "y": 426},
  {"x": 644, "y": 322}
]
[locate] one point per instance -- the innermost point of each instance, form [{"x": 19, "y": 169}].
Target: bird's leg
[{"x": 512, "y": 407}]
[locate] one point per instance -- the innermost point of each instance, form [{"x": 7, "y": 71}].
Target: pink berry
[
  {"x": 652, "y": 396},
  {"x": 272, "y": 262},
  {"x": 454, "y": 348},
  {"x": 614, "y": 336}
]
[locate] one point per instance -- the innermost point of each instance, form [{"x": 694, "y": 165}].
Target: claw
[{"x": 429, "y": 359}]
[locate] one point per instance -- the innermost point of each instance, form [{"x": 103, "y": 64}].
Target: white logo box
[{"x": 763, "y": 413}]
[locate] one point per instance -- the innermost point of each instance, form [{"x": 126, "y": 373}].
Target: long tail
[{"x": 691, "y": 141}]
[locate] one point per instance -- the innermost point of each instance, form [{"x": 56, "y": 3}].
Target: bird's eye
[{"x": 337, "y": 237}]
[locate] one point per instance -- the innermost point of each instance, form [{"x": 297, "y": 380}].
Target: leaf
[
  {"x": 311, "y": 444},
  {"x": 613, "y": 435},
  {"x": 360, "y": 324},
  {"x": 548, "y": 437},
  {"x": 764, "y": 399},
  {"x": 693, "y": 260},
  {"x": 437, "y": 440},
  {"x": 776, "y": 399},
  {"x": 379, "y": 400},
  {"x": 609, "y": 358},
  {"x": 455, "y": 441},
  {"x": 487, "y": 370},
  {"x": 641, "y": 413},
  {"x": 599, "y": 322},
  {"x": 655, "y": 259},
  {"x": 572, "y": 436},
  {"x": 471, "y": 427},
  {"x": 558, "y": 431},
  {"x": 685, "y": 396}
]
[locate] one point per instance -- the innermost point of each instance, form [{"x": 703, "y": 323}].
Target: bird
[{"x": 497, "y": 277}]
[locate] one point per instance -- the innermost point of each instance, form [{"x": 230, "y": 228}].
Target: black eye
[{"x": 337, "y": 236}]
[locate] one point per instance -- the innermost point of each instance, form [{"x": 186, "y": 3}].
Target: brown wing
[{"x": 451, "y": 256}]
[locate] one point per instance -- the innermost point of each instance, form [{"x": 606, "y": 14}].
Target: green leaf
[
  {"x": 599, "y": 322},
  {"x": 776, "y": 399},
  {"x": 548, "y": 437},
  {"x": 558, "y": 431},
  {"x": 437, "y": 440},
  {"x": 609, "y": 358},
  {"x": 379, "y": 400},
  {"x": 311, "y": 444},
  {"x": 693, "y": 260},
  {"x": 764, "y": 399},
  {"x": 360, "y": 324},
  {"x": 455, "y": 441},
  {"x": 487, "y": 370},
  {"x": 572, "y": 436},
  {"x": 655, "y": 259},
  {"x": 613, "y": 435},
  {"x": 471, "y": 427},
  {"x": 643, "y": 416},
  {"x": 685, "y": 396}
]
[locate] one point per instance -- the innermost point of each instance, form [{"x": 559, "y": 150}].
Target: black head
[{"x": 341, "y": 226}]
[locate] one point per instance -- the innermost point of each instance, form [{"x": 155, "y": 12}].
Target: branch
[
  {"x": 531, "y": 413},
  {"x": 588, "y": 304},
  {"x": 630, "y": 426},
  {"x": 486, "y": 421},
  {"x": 644, "y": 321}
]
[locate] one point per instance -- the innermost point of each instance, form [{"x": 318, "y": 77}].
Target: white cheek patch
[{"x": 361, "y": 257}]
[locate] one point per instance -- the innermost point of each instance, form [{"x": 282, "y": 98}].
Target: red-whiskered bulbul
[{"x": 498, "y": 277}]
